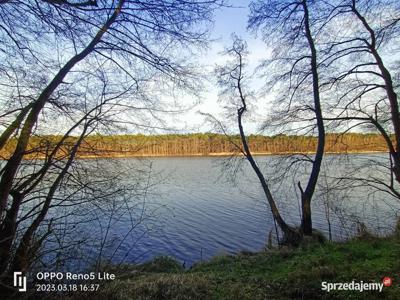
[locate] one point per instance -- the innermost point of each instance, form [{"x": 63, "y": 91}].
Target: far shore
[
  {"x": 120, "y": 155},
  {"x": 202, "y": 145},
  {"x": 217, "y": 154}
]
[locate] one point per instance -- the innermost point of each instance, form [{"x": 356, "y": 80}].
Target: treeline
[{"x": 198, "y": 144}]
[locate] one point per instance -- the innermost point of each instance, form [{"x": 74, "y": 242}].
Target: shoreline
[
  {"x": 221, "y": 154},
  {"x": 197, "y": 155}
]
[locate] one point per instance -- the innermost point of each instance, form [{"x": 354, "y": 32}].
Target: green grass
[{"x": 273, "y": 274}]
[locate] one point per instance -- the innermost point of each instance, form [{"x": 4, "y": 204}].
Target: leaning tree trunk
[{"x": 291, "y": 235}]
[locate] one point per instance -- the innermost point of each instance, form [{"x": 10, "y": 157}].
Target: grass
[{"x": 274, "y": 274}]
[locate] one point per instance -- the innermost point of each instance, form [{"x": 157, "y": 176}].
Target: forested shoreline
[{"x": 198, "y": 144}]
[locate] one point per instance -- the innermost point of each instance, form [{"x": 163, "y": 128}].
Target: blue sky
[{"x": 228, "y": 20}]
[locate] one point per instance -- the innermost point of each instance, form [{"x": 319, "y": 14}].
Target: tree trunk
[
  {"x": 291, "y": 235},
  {"x": 307, "y": 194},
  {"x": 13, "y": 126},
  {"x": 7, "y": 232}
]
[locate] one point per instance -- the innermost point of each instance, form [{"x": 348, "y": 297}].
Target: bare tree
[
  {"x": 232, "y": 80},
  {"x": 79, "y": 67},
  {"x": 360, "y": 77},
  {"x": 290, "y": 28}
]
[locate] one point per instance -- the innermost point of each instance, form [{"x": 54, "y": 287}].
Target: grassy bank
[{"x": 273, "y": 274}]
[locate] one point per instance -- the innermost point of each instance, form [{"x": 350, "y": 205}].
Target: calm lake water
[{"x": 198, "y": 212}]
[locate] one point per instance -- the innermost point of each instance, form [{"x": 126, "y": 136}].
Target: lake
[{"x": 195, "y": 211}]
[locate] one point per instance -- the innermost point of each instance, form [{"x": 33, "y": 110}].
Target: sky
[{"x": 228, "y": 21}]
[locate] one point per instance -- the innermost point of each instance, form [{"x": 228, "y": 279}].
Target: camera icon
[{"x": 20, "y": 281}]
